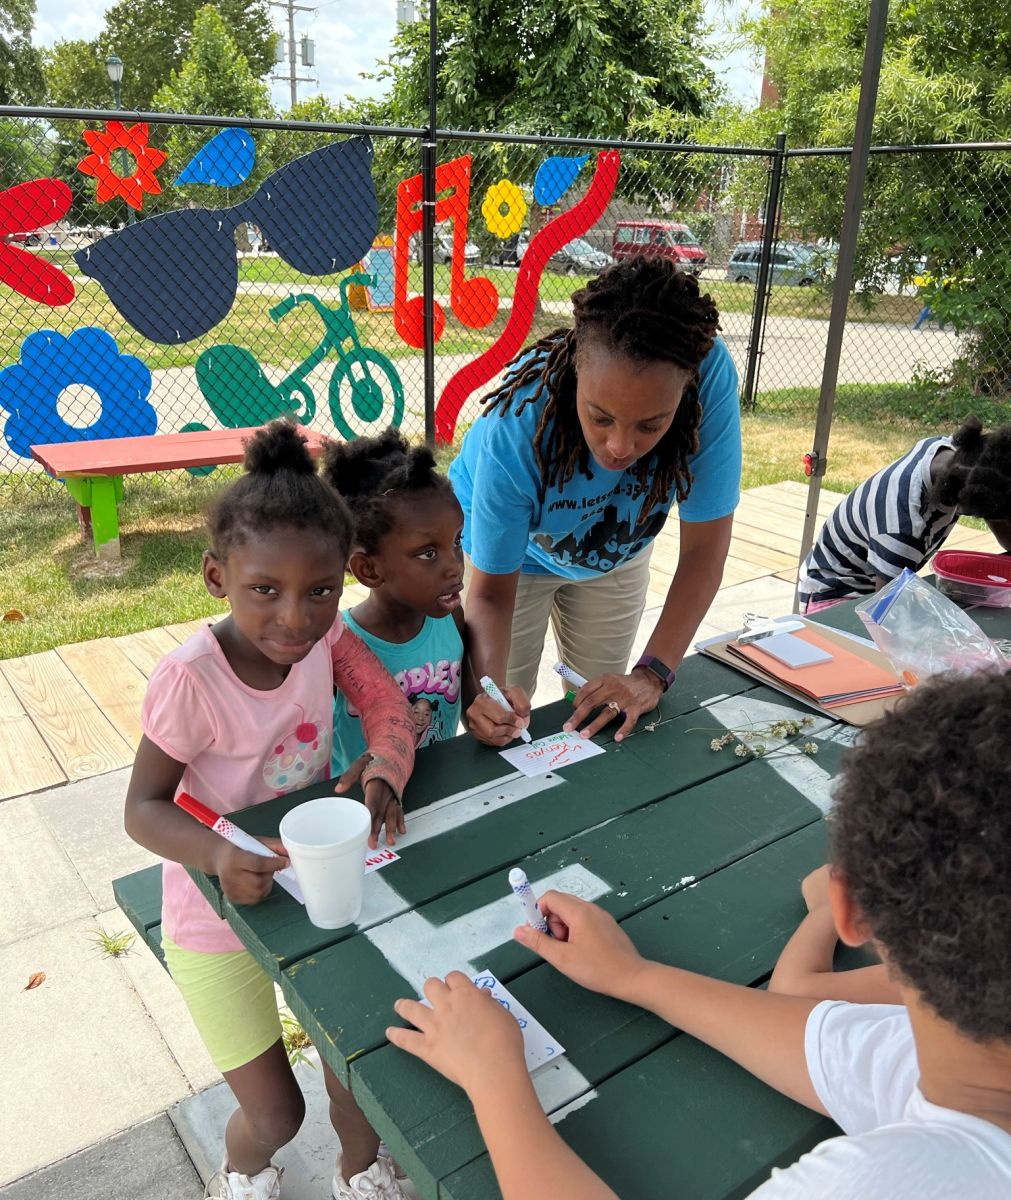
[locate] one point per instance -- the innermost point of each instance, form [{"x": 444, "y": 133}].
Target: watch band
[{"x": 650, "y": 663}]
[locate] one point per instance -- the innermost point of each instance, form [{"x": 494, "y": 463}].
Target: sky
[{"x": 350, "y": 36}]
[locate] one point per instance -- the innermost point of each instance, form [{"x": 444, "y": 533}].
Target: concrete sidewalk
[{"x": 108, "y": 1090}]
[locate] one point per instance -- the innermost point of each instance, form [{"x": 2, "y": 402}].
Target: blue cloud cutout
[
  {"x": 50, "y": 362},
  {"x": 555, "y": 176},
  {"x": 225, "y": 161}
]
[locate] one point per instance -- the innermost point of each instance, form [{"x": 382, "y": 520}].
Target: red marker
[{"x": 224, "y": 827}]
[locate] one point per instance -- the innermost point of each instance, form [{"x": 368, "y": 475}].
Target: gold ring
[{"x": 614, "y": 704}]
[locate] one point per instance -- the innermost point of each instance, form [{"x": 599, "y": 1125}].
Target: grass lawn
[
  {"x": 51, "y": 576},
  {"x": 249, "y": 323}
]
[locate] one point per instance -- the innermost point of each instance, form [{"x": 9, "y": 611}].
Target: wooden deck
[{"x": 74, "y": 712}]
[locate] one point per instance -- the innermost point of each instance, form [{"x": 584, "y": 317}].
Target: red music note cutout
[
  {"x": 583, "y": 215},
  {"x": 474, "y": 301}
]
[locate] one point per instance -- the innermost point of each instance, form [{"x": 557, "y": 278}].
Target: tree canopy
[
  {"x": 21, "y": 79},
  {"x": 152, "y": 37},
  {"x": 945, "y": 77}
]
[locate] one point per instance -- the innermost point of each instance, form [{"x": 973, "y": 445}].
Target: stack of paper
[{"x": 847, "y": 678}]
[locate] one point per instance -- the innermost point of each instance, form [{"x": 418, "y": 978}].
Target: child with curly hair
[
  {"x": 407, "y": 552},
  {"x": 235, "y": 716},
  {"x": 921, "y": 866},
  {"x": 902, "y": 514}
]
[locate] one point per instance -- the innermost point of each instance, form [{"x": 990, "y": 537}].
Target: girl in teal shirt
[{"x": 407, "y": 552}]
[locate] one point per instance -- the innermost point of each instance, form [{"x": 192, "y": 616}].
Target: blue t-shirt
[
  {"x": 589, "y": 525},
  {"x": 427, "y": 669}
]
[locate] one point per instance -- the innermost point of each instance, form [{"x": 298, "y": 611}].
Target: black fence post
[
  {"x": 763, "y": 284},
  {"x": 428, "y": 157}
]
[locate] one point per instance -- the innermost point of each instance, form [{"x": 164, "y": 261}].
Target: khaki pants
[{"x": 594, "y": 620}]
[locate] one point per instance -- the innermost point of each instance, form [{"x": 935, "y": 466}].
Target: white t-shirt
[{"x": 862, "y": 1062}]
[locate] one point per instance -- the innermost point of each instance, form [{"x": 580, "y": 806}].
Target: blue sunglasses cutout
[{"x": 174, "y": 277}]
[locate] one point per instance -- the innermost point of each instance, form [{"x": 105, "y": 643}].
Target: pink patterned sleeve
[{"x": 386, "y": 716}]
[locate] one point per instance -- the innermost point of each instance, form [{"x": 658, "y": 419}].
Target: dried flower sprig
[{"x": 747, "y": 743}]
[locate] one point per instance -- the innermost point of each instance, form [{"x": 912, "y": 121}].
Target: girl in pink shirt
[{"x": 239, "y": 714}]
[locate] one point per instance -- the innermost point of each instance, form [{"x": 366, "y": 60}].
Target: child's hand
[
  {"x": 493, "y": 725},
  {"x": 245, "y": 877},
  {"x": 380, "y": 800},
  {"x": 587, "y": 944},
  {"x": 463, "y": 1035},
  {"x": 814, "y": 888}
]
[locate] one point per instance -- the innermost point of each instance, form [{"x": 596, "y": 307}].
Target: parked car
[
  {"x": 510, "y": 252},
  {"x": 444, "y": 247},
  {"x": 792, "y": 263},
  {"x": 668, "y": 239},
  {"x": 23, "y": 239},
  {"x": 578, "y": 257}
]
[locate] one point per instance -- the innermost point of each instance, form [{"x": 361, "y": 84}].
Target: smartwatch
[{"x": 659, "y": 669}]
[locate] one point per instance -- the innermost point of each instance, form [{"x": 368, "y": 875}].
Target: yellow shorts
[{"x": 231, "y": 1000}]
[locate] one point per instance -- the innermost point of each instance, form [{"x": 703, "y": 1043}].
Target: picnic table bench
[
  {"x": 699, "y": 854},
  {"x": 93, "y": 471}
]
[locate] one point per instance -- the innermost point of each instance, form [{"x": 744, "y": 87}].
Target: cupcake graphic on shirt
[{"x": 297, "y": 758}]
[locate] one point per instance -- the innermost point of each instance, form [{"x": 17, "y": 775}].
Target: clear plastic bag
[{"x": 924, "y": 633}]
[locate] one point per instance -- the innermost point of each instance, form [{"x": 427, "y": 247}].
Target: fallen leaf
[
  {"x": 39, "y": 977},
  {"x": 13, "y": 614}
]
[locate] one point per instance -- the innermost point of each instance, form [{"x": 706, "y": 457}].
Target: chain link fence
[
  {"x": 928, "y": 329},
  {"x": 271, "y": 267}
]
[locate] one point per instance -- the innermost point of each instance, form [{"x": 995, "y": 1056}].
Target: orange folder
[{"x": 848, "y": 679}]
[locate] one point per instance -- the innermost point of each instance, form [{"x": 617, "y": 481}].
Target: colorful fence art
[{"x": 172, "y": 279}]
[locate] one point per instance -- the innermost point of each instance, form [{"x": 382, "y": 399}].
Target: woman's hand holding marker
[
  {"x": 498, "y": 718},
  {"x": 626, "y": 697}
]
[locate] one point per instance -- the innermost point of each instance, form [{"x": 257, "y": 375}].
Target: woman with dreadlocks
[{"x": 569, "y": 476}]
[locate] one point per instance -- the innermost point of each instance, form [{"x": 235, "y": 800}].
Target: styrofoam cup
[{"x": 326, "y": 840}]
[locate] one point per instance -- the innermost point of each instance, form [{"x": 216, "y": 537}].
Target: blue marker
[
  {"x": 492, "y": 689},
  {"x": 531, "y": 913}
]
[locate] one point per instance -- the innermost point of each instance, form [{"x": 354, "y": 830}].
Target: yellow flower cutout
[{"x": 504, "y": 209}]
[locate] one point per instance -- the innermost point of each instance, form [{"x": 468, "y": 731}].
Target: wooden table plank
[
  {"x": 146, "y": 649},
  {"x": 154, "y": 452},
  {"x": 731, "y": 925},
  {"x": 79, "y": 736},
  {"x": 111, "y": 680}
]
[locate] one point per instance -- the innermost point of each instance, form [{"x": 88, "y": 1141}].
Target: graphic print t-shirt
[
  {"x": 427, "y": 669},
  {"x": 590, "y": 525}
]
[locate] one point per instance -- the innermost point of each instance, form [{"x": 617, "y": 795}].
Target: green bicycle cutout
[{"x": 239, "y": 393}]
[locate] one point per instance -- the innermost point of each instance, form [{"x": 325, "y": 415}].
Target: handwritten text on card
[{"x": 551, "y": 753}]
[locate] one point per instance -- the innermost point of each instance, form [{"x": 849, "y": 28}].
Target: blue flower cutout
[{"x": 50, "y": 362}]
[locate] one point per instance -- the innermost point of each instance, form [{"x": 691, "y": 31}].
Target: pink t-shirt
[{"x": 242, "y": 746}]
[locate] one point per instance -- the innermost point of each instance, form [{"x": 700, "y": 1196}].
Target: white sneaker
[
  {"x": 231, "y": 1185},
  {"x": 377, "y": 1183},
  {"x": 398, "y": 1170}
]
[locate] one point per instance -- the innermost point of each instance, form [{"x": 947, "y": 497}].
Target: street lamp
[{"x": 114, "y": 66}]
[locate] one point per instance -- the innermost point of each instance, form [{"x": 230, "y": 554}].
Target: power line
[{"x": 308, "y": 48}]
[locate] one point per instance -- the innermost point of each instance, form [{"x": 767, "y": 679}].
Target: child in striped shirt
[{"x": 901, "y": 515}]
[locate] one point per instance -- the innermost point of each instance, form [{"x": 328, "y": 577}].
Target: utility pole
[{"x": 291, "y": 75}]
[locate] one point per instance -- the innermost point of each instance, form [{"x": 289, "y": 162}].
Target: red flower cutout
[
  {"x": 99, "y": 163},
  {"x": 23, "y": 209}
]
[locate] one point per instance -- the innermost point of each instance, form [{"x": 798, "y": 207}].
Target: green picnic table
[{"x": 698, "y": 853}]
